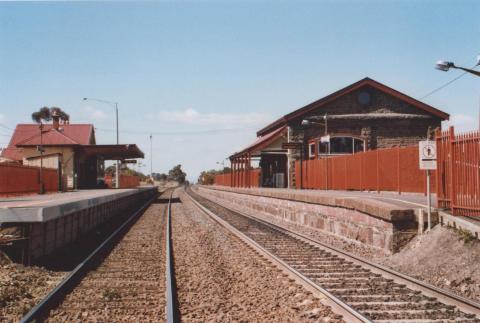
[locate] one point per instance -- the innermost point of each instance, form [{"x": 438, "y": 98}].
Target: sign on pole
[
  {"x": 129, "y": 161},
  {"x": 427, "y": 150},
  {"x": 427, "y": 153},
  {"x": 325, "y": 138}
]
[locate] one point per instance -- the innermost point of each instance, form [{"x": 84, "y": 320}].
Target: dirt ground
[
  {"x": 22, "y": 287},
  {"x": 443, "y": 257}
]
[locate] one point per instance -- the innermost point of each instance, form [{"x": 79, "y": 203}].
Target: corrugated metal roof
[
  {"x": 261, "y": 142},
  {"x": 50, "y": 137}
]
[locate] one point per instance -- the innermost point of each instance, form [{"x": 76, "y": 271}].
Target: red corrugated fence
[
  {"x": 252, "y": 178},
  {"x": 458, "y": 170},
  {"x": 19, "y": 180},
  {"x": 391, "y": 169}
]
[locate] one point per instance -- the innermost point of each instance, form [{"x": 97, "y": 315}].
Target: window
[
  {"x": 311, "y": 150},
  {"x": 341, "y": 145}
]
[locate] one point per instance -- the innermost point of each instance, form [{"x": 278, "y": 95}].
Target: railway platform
[
  {"x": 384, "y": 220},
  {"x": 35, "y": 226},
  {"x": 42, "y": 208}
]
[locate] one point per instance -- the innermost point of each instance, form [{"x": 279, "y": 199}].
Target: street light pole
[
  {"x": 42, "y": 184},
  {"x": 117, "y": 168},
  {"x": 445, "y": 66},
  {"x": 115, "y": 104},
  {"x": 307, "y": 122},
  {"x": 151, "y": 158}
]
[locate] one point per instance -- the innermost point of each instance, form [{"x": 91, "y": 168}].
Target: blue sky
[{"x": 179, "y": 69}]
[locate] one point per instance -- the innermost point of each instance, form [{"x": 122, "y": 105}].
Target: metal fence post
[
  {"x": 398, "y": 171},
  {"x": 451, "y": 143}
]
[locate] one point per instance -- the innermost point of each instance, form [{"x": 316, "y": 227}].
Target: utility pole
[
  {"x": 42, "y": 185},
  {"x": 117, "y": 166},
  {"x": 151, "y": 157}
]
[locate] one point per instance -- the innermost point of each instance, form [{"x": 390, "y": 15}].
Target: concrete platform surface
[{"x": 41, "y": 208}]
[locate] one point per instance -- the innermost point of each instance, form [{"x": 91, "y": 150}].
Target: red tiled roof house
[{"x": 71, "y": 148}]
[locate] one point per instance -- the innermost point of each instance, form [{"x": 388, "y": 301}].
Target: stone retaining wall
[
  {"x": 388, "y": 232},
  {"x": 44, "y": 238}
]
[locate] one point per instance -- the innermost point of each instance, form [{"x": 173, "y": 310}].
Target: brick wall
[{"x": 379, "y": 133}]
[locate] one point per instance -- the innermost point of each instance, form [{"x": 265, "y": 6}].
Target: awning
[
  {"x": 261, "y": 142},
  {"x": 112, "y": 152}
]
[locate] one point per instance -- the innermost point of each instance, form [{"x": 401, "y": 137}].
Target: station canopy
[
  {"x": 272, "y": 141},
  {"x": 112, "y": 152}
]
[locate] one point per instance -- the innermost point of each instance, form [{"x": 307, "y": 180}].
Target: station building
[
  {"x": 363, "y": 116},
  {"x": 70, "y": 148}
]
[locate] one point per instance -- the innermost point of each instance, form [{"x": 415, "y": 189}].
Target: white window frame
[
  {"x": 340, "y": 136},
  {"x": 310, "y": 145}
]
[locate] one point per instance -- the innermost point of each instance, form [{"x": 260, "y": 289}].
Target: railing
[
  {"x": 19, "y": 180},
  {"x": 458, "y": 169},
  {"x": 390, "y": 169},
  {"x": 251, "y": 179}
]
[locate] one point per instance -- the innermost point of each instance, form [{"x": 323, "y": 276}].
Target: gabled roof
[
  {"x": 355, "y": 86},
  {"x": 261, "y": 142},
  {"x": 29, "y": 134},
  {"x": 50, "y": 137}
]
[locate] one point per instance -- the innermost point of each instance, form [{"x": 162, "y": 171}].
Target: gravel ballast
[
  {"x": 129, "y": 285},
  {"x": 443, "y": 257},
  {"x": 220, "y": 279}
]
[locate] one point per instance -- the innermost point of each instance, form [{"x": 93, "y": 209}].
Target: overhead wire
[
  {"x": 175, "y": 133},
  {"x": 445, "y": 84}
]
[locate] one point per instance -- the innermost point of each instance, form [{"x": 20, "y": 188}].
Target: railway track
[
  {"x": 124, "y": 279},
  {"x": 364, "y": 291}
]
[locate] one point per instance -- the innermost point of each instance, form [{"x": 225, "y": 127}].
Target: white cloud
[
  {"x": 227, "y": 120},
  {"x": 94, "y": 114},
  {"x": 462, "y": 122},
  {"x": 3, "y": 118}
]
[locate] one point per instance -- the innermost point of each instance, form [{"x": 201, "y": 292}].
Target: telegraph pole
[
  {"x": 151, "y": 157},
  {"x": 117, "y": 166}
]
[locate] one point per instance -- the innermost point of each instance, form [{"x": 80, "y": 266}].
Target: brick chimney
[{"x": 56, "y": 120}]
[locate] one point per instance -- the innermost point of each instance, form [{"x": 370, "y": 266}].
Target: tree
[
  {"x": 225, "y": 170},
  {"x": 46, "y": 114},
  {"x": 110, "y": 170},
  {"x": 176, "y": 174},
  {"x": 208, "y": 177},
  {"x": 43, "y": 114},
  {"x": 159, "y": 177}
]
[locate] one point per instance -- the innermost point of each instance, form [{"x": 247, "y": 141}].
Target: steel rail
[
  {"x": 446, "y": 296},
  {"x": 38, "y": 312},
  {"x": 173, "y": 313},
  {"x": 347, "y": 310},
  {"x": 463, "y": 303}
]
